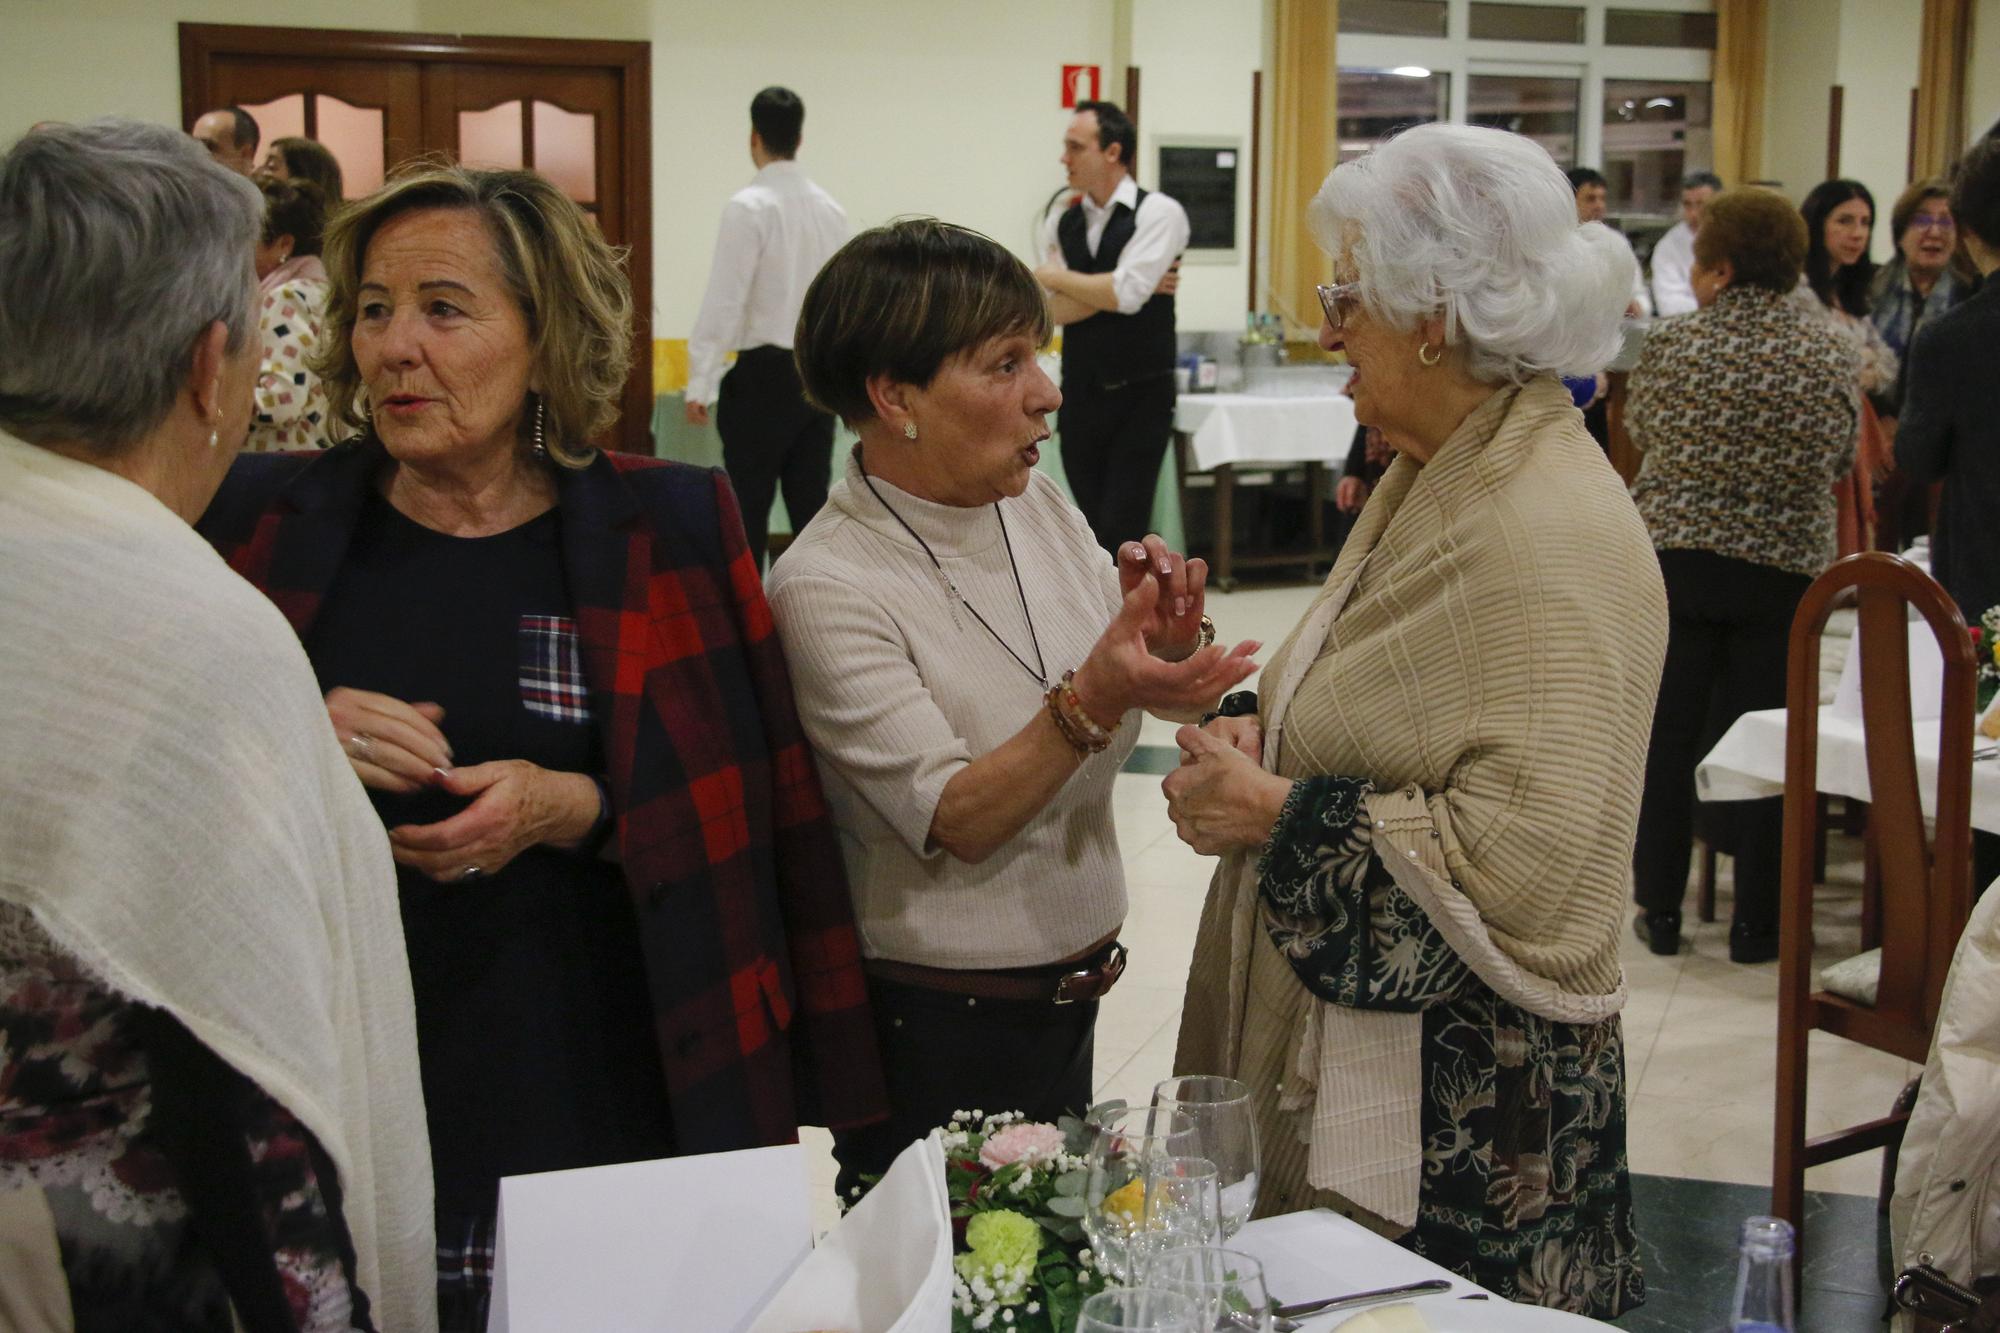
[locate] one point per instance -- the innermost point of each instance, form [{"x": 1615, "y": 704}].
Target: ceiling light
[
  {"x": 1659, "y": 101},
  {"x": 1411, "y": 71}
]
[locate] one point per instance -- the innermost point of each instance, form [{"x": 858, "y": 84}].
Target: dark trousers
[
  {"x": 772, "y": 437},
  {"x": 1727, "y": 624},
  {"x": 943, "y": 1053},
  {"x": 1113, "y": 441}
]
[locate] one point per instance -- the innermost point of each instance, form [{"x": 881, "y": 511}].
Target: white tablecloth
[
  {"x": 1749, "y": 762},
  {"x": 1310, "y": 1255},
  {"x": 1244, "y": 428}
]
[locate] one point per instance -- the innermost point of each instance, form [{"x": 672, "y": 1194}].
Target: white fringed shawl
[
  {"x": 176, "y": 813},
  {"x": 1494, "y": 675}
]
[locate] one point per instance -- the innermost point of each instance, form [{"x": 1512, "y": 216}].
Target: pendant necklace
[{"x": 1040, "y": 670}]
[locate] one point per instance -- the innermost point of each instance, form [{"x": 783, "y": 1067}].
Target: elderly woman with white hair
[
  {"x": 1410, "y": 950},
  {"x": 210, "y": 1115}
]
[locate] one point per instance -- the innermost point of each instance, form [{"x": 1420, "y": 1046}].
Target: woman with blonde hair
[
  {"x": 1410, "y": 950},
  {"x": 555, "y": 673}
]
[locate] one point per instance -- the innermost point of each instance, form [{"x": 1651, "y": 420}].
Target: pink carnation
[{"x": 1028, "y": 1143}]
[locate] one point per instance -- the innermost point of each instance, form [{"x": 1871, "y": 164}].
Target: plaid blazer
[{"x": 732, "y": 862}]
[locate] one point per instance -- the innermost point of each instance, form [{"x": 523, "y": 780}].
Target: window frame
[{"x": 1462, "y": 56}]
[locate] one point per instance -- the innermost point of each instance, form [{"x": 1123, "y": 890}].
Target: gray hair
[
  {"x": 1479, "y": 226},
  {"x": 120, "y": 242}
]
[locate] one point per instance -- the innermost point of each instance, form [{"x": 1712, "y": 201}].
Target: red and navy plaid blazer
[{"x": 732, "y": 862}]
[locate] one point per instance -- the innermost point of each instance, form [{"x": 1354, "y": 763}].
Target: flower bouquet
[
  {"x": 1016, "y": 1191},
  {"x": 1986, "y": 647}
]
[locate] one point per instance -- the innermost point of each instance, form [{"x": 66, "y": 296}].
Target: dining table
[{"x": 1319, "y": 1253}]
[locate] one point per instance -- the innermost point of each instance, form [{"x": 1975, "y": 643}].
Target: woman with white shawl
[
  {"x": 209, "y": 1106},
  {"x": 1410, "y": 952}
]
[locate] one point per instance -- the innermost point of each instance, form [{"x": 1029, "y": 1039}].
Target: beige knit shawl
[
  {"x": 1487, "y": 650},
  {"x": 177, "y": 814}
]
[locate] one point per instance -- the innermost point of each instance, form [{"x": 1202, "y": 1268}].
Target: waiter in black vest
[{"x": 1109, "y": 252}]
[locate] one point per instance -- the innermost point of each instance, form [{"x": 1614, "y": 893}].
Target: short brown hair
[
  {"x": 293, "y": 208},
  {"x": 901, "y": 300},
  {"x": 1759, "y": 233},
  {"x": 1975, "y": 191},
  {"x": 1911, "y": 199},
  {"x": 568, "y": 281}
]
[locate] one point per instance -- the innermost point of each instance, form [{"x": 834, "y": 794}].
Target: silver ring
[
  {"x": 361, "y": 745},
  {"x": 470, "y": 873}
]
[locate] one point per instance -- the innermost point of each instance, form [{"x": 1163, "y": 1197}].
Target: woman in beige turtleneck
[
  {"x": 965, "y": 656},
  {"x": 1410, "y": 951}
]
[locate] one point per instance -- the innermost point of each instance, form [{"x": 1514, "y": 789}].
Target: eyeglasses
[
  {"x": 1932, "y": 222},
  {"x": 1337, "y": 299}
]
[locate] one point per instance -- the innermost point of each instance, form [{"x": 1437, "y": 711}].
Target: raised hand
[
  {"x": 1122, "y": 673},
  {"x": 1175, "y": 625}
]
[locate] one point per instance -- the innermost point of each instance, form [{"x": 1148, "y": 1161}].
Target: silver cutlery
[{"x": 1408, "y": 1290}]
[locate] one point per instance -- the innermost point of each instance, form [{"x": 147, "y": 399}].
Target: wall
[
  {"x": 1878, "y": 64},
  {"x": 1982, "y": 101},
  {"x": 1196, "y": 59}
]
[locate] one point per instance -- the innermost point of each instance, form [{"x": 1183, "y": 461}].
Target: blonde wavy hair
[{"x": 567, "y": 279}]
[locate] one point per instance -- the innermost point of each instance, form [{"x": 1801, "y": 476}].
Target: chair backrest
[{"x": 1926, "y": 889}]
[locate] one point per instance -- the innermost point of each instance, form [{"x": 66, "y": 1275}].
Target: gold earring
[
  {"x": 909, "y": 430},
  {"x": 1431, "y": 359}
]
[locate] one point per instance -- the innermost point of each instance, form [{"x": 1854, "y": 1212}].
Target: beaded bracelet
[{"x": 1084, "y": 733}]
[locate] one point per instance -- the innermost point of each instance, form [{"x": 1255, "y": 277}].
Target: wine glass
[
  {"x": 1183, "y": 1203},
  {"x": 1226, "y": 1286},
  {"x": 1127, "y": 1143},
  {"x": 1227, "y": 1127},
  {"x": 1137, "y": 1310}
]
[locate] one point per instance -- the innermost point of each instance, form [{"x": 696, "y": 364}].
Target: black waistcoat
[{"x": 1110, "y": 349}]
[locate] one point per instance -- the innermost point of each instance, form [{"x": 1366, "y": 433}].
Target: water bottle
[{"x": 1764, "y": 1278}]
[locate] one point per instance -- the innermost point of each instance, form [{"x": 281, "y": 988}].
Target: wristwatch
[{"x": 1243, "y": 703}]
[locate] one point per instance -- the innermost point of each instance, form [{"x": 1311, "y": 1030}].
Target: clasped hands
[
  {"x": 1220, "y": 798},
  {"x": 400, "y": 747}
]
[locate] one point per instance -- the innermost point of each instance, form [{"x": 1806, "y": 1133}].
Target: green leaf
[
  {"x": 1070, "y": 1184},
  {"x": 1066, "y": 1206}
]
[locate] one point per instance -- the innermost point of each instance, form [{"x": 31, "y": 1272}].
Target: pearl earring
[
  {"x": 909, "y": 430},
  {"x": 214, "y": 439}
]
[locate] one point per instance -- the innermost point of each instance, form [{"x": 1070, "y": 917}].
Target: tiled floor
[{"x": 1699, "y": 1034}]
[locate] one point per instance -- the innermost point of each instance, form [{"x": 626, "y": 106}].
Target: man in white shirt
[
  {"x": 1593, "y": 201},
  {"x": 1107, "y": 253},
  {"x": 1673, "y": 257},
  {"x": 776, "y": 233}
]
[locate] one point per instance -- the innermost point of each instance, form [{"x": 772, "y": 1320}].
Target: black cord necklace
[{"x": 1040, "y": 670}]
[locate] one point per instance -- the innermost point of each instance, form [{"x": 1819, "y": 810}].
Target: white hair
[
  {"x": 120, "y": 242},
  {"x": 1479, "y": 226}
]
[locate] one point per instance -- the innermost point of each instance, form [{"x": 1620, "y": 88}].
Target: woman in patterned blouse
[
  {"x": 291, "y": 402},
  {"x": 1410, "y": 952},
  {"x": 1746, "y": 412}
]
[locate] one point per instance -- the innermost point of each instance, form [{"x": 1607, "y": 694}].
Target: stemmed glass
[
  {"x": 1183, "y": 1202},
  {"x": 1130, "y": 1145},
  {"x": 1227, "y": 1286},
  {"x": 1227, "y": 1128},
  {"x": 1136, "y": 1310}
]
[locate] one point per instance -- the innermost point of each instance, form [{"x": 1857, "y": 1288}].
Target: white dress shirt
[
  {"x": 1641, "y": 300},
  {"x": 776, "y": 233},
  {"x": 1673, "y": 272},
  {"x": 1159, "y": 234}
]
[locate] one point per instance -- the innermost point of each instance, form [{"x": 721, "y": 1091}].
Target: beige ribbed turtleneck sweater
[{"x": 899, "y": 689}]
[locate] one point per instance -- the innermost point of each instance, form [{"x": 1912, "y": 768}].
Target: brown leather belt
[{"x": 1087, "y": 978}]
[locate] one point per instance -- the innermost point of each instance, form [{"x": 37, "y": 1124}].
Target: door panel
[{"x": 369, "y": 113}]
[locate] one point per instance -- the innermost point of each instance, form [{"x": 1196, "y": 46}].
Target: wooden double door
[{"x": 576, "y": 111}]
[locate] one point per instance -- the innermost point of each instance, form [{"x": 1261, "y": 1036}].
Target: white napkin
[
  {"x": 1926, "y": 676},
  {"x": 886, "y": 1268}
]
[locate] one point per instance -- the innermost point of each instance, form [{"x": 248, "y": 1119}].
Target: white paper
[
  {"x": 887, "y": 1267},
  {"x": 1926, "y": 676},
  {"x": 681, "y": 1245}
]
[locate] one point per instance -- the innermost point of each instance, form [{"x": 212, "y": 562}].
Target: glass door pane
[
  {"x": 355, "y": 136},
  {"x": 1545, "y": 108},
  {"x": 491, "y": 138},
  {"x": 566, "y": 150},
  {"x": 281, "y": 118},
  {"x": 1375, "y": 103},
  {"x": 1654, "y": 133}
]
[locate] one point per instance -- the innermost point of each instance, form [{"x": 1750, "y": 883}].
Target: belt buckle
[{"x": 1104, "y": 975}]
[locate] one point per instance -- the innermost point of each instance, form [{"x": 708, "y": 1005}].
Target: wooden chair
[{"x": 1926, "y": 887}]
